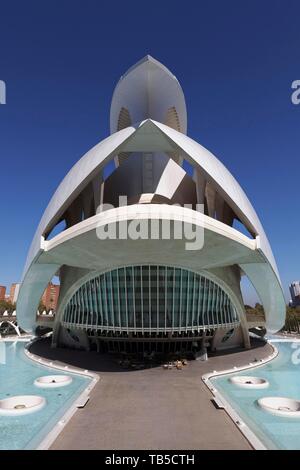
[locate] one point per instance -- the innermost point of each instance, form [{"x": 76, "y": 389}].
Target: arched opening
[
  {"x": 57, "y": 229},
  {"x": 154, "y": 307}
]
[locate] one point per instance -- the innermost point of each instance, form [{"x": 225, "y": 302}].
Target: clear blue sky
[{"x": 235, "y": 60}]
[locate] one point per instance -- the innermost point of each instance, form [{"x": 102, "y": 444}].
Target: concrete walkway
[{"x": 151, "y": 408}]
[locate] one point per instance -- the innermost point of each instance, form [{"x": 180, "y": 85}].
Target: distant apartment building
[
  {"x": 14, "y": 292},
  {"x": 50, "y": 296},
  {"x": 295, "y": 293},
  {"x": 2, "y": 292}
]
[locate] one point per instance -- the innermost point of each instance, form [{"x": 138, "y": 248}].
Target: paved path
[{"x": 151, "y": 408}]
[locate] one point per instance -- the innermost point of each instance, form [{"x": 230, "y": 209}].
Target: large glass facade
[{"x": 150, "y": 299}]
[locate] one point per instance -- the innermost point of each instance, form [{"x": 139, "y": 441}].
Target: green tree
[{"x": 6, "y": 306}]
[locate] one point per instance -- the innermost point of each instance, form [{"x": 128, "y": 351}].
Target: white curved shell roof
[
  {"x": 94, "y": 160},
  {"x": 148, "y": 90}
]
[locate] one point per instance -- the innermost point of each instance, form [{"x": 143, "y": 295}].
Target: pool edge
[
  {"x": 251, "y": 437},
  {"x": 79, "y": 402}
]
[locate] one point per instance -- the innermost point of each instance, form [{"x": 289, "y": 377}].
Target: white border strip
[
  {"x": 241, "y": 425},
  {"x": 77, "y": 403},
  {"x": 13, "y": 338}
]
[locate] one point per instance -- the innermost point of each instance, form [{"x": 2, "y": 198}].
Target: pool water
[
  {"x": 283, "y": 374},
  {"x": 17, "y": 374}
]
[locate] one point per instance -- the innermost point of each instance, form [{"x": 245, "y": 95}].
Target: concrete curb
[
  {"x": 251, "y": 437},
  {"x": 78, "y": 403}
]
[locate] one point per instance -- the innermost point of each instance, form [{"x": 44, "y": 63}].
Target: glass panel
[{"x": 151, "y": 298}]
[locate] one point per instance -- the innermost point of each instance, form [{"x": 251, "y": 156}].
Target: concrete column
[
  {"x": 231, "y": 276},
  {"x": 200, "y": 186},
  {"x": 210, "y": 195},
  {"x": 219, "y": 207},
  {"x": 71, "y": 281},
  {"x": 88, "y": 201},
  {"x": 73, "y": 214},
  {"x": 97, "y": 184},
  {"x": 228, "y": 215}
]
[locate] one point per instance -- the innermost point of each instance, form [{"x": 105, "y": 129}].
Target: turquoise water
[
  {"x": 283, "y": 374},
  {"x": 17, "y": 374}
]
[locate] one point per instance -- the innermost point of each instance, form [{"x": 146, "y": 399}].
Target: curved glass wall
[{"x": 150, "y": 299}]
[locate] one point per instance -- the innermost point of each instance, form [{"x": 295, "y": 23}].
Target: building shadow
[{"x": 96, "y": 362}]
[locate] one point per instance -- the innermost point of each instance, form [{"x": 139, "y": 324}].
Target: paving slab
[{"x": 152, "y": 409}]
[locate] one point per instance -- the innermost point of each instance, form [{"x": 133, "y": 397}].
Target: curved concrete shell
[
  {"x": 148, "y": 157},
  {"x": 148, "y": 90}
]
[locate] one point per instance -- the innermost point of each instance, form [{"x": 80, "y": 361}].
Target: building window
[{"x": 150, "y": 299}]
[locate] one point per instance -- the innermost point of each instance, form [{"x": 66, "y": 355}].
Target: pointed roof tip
[
  {"x": 150, "y": 59},
  {"x": 147, "y": 57}
]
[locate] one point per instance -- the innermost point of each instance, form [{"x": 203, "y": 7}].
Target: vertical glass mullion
[
  {"x": 126, "y": 298},
  {"x": 84, "y": 297},
  {"x": 83, "y": 303},
  {"x": 93, "y": 302},
  {"x": 67, "y": 312},
  {"x": 225, "y": 313},
  {"x": 204, "y": 303},
  {"x": 100, "y": 301},
  {"x": 133, "y": 297},
  {"x": 86, "y": 293},
  {"x": 208, "y": 302},
  {"x": 112, "y": 301},
  {"x": 193, "y": 299},
  {"x": 74, "y": 311},
  {"x": 96, "y": 302},
  {"x": 142, "y": 297},
  {"x": 214, "y": 312},
  {"x": 226, "y": 310},
  {"x": 180, "y": 301},
  {"x": 219, "y": 313},
  {"x": 90, "y": 313},
  {"x": 157, "y": 300},
  {"x": 88, "y": 301},
  {"x": 150, "y": 306},
  {"x": 223, "y": 307},
  {"x": 221, "y": 304},
  {"x": 173, "y": 300},
  {"x": 105, "y": 298},
  {"x": 82, "y": 306},
  {"x": 198, "y": 307},
  {"x": 187, "y": 300},
  {"x": 78, "y": 308},
  {"x": 119, "y": 304},
  {"x": 166, "y": 296},
  {"x": 229, "y": 310}
]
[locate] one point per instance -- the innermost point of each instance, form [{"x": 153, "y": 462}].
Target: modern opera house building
[{"x": 137, "y": 294}]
